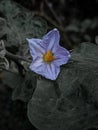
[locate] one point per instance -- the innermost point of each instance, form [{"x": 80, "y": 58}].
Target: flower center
[{"x": 48, "y": 57}]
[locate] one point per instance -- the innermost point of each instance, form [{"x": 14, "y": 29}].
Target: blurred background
[{"x": 77, "y": 21}]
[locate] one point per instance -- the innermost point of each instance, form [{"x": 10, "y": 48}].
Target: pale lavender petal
[
  {"x": 61, "y": 56},
  {"x": 49, "y": 71},
  {"x": 36, "y": 49},
  {"x": 51, "y": 40},
  {"x": 52, "y": 71},
  {"x": 38, "y": 66}
]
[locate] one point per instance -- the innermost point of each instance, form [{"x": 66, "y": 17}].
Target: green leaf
[
  {"x": 21, "y": 24},
  {"x": 70, "y": 102},
  {"x": 2, "y": 27},
  {"x": 11, "y": 79},
  {"x": 86, "y": 54},
  {"x": 25, "y": 90},
  {"x": 23, "y": 87}
]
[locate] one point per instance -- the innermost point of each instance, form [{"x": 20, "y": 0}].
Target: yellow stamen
[{"x": 48, "y": 57}]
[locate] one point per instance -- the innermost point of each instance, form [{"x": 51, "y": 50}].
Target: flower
[{"x": 48, "y": 55}]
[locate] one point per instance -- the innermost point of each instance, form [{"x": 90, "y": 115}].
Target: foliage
[
  {"x": 3, "y": 60},
  {"x": 72, "y": 101},
  {"x": 20, "y": 24},
  {"x": 23, "y": 86},
  {"x": 82, "y": 30}
]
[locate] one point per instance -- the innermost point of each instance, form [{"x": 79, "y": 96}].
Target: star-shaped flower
[{"x": 48, "y": 55}]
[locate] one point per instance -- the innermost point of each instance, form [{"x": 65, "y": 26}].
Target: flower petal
[
  {"x": 39, "y": 47},
  {"x": 52, "y": 71},
  {"x": 36, "y": 49},
  {"x": 51, "y": 40},
  {"x": 61, "y": 56},
  {"x": 49, "y": 71},
  {"x": 37, "y": 66}
]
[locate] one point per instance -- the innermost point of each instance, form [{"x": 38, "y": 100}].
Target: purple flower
[{"x": 48, "y": 55}]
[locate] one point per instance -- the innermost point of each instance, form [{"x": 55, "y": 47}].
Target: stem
[
  {"x": 53, "y": 13},
  {"x": 16, "y": 57}
]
